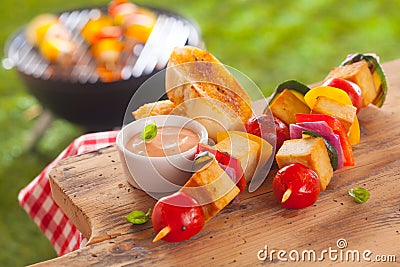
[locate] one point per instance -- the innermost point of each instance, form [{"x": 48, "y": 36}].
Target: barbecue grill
[{"x": 77, "y": 93}]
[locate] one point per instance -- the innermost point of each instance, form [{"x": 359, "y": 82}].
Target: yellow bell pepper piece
[
  {"x": 354, "y": 133},
  {"x": 104, "y": 45},
  {"x": 36, "y": 29},
  {"x": 139, "y": 26},
  {"x": 54, "y": 48},
  {"x": 94, "y": 27},
  {"x": 338, "y": 94}
]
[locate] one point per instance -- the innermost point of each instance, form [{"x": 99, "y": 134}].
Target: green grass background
[{"x": 270, "y": 41}]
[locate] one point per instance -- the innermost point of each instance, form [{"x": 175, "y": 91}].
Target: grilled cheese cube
[
  {"x": 212, "y": 188},
  {"x": 264, "y": 150},
  {"x": 329, "y": 106},
  {"x": 311, "y": 152},
  {"x": 360, "y": 74},
  {"x": 286, "y": 105},
  {"x": 244, "y": 150}
]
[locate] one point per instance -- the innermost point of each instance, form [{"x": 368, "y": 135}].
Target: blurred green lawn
[{"x": 270, "y": 41}]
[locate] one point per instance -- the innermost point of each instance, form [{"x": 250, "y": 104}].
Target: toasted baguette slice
[
  {"x": 207, "y": 90},
  {"x": 311, "y": 152},
  {"x": 212, "y": 188},
  {"x": 164, "y": 107},
  {"x": 345, "y": 113},
  {"x": 286, "y": 105},
  {"x": 360, "y": 74}
]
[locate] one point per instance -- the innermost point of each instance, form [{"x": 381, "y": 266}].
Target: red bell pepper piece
[
  {"x": 337, "y": 128},
  {"x": 229, "y": 164}
]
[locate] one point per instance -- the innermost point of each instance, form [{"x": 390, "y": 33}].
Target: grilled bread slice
[
  {"x": 207, "y": 91},
  {"x": 163, "y": 107}
]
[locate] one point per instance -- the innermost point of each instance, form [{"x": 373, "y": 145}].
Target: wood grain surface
[{"x": 93, "y": 192}]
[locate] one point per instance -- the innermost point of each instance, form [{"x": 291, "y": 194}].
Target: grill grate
[{"x": 136, "y": 60}]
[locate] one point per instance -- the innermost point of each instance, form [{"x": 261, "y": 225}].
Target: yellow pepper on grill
[{"x": 51, "y": 38}]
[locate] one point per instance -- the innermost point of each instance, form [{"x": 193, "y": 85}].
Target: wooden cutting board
[{"x": 92, "y": 190}]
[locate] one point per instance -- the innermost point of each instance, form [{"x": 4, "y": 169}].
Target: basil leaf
[
  {"x": 149, "y": 132},
  {"x": 138, "y": 217},
  {"x": 359, "y": 194}
]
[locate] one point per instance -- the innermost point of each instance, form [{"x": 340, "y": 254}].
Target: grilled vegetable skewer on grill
[{"x": 51, "y": 38}]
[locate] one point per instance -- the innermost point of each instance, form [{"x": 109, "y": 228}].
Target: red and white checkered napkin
[{"x": 36, "y": 198}]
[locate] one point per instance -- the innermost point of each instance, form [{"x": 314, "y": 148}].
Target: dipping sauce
[{"x": 170, "y": 140}]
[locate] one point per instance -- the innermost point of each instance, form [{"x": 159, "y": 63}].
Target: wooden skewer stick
[
  {"x": 286, "y": 195},
  {"x": 165, "y": 231}
]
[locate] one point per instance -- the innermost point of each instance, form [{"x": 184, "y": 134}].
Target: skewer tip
[
  {"x": 286, "y": 195},
  {"x": 165, "y": 231}
]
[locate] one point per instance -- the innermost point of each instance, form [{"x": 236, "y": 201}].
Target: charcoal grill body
[
  {"x": 83, "y": 99},
  {"x": 93, "y": 106}
]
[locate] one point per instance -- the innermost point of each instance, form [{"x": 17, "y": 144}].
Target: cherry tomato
[
  {"x": 121, "y": 6},
  {"x": 296, "y": 186},
  {"x": 262, "y": 127},
  {"x": 177, "y": 217},
  {"x": 252, "y": 126},
  {"x": 352, "y": 89}
]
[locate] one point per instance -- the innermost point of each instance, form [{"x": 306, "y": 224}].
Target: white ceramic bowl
[{"x": 158, "y": 175}]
